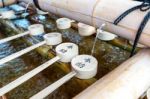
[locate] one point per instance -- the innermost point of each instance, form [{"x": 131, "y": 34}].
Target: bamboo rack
[{"x": 46, "y": 51}]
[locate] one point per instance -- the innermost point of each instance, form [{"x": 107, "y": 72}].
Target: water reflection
[{"x": 5, "y": 50}]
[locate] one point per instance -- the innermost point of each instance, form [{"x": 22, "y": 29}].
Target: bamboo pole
[
  {"x": 20, "y": 53},
  {"x": 2, "y": 97},
  {"x": 117, "y": 42},
  {"x": 122, "y": 44},
  {"x": 97, "y": 12},
  {"x": 129, "y": 81},
  {"x": 13, "y": 37},
  {"x": 45, "y": 92}
]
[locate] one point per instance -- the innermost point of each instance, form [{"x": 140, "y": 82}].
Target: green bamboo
[{"x": 122, "y": 44}]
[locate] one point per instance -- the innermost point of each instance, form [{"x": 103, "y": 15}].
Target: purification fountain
[{"x": 80, "y": 50}]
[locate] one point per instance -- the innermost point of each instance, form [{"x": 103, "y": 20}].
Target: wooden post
[{"x": 129, "y": 81}]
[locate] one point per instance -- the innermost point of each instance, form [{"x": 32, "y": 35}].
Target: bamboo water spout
[{"x": 96, "y": 12}]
